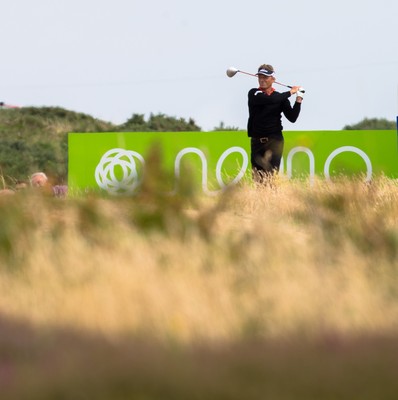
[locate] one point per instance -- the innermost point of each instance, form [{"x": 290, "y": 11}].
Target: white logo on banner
[
  {"x": 219, "y": 165},
  {"x": 122, "y": 161},
  {"x": 352, "y": 149},
  {"x": 117, "y": 171},
  {"x": 326, "y": 168}
]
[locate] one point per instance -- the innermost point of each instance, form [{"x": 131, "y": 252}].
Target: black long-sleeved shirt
[{"x": 265, "y": 113}]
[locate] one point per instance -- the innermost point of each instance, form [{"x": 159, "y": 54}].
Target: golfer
[{"x": 264, "y": 126}]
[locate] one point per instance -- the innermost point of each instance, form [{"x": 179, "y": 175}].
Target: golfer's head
[{"x": 266, "y": 75}]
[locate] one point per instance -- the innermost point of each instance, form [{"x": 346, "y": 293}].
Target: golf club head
[{"x": 232, "y": 71}]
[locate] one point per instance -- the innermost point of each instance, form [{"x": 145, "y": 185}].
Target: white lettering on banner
[
  {"x": 243, "y": 168},
  {"x": 311, "y": 157},
  {"x": 177, "y": 164},
  {"x": 352, "y": 149},
  {"x": 125, "y": 159},
  {"x": 328, "y": 161},
  {"x": 220, "y": 162}
]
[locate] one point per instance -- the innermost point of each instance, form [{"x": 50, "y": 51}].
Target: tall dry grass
[
  {"x": 280, "y": 292},
  {"x": 289, "y": 260}
]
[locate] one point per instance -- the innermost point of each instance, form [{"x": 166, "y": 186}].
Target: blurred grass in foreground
[{"x": 282, "y": 293}]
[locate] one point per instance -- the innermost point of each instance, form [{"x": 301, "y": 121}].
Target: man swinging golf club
[{"x": 264, "y": 126}]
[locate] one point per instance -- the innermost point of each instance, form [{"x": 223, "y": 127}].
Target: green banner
[
  {"x": 116, "y": 162},
  {"x": 333, "y": 153}
]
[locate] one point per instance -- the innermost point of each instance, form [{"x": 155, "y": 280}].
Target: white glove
[{"x": 301, "y": 92}]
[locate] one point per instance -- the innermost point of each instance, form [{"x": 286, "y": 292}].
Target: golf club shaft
[
  {"x": 282, "y": 84},
  {"x": 278, "y": 83},
  {"x": 247, "y": 73}
]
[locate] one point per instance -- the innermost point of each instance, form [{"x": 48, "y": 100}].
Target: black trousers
[{"x": 266, "y": 154}]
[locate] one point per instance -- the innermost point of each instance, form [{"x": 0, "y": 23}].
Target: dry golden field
[{"x": 281, "y": 292}]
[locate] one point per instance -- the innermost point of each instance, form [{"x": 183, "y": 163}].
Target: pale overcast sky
[{"x": 111, "y": 59}]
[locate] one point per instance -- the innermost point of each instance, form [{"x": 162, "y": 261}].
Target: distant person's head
[{"x": 38, "y": 179}]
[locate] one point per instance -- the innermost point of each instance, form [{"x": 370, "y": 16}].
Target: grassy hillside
[
  {"x": 35, "y": 139},
  {"x": 46, "y": 123}
]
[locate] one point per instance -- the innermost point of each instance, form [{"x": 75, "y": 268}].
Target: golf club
[{"x": 232, "y": 71}]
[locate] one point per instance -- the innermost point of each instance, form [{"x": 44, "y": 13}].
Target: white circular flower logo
[{"x": 117, "y": 171}]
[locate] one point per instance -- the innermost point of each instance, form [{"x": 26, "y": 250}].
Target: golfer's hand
[
  {"x": 295, "y": 89},
  {"x": 300, "y": 92}
]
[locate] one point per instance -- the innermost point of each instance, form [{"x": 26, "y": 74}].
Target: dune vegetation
[{"x": 286, "y": 291}]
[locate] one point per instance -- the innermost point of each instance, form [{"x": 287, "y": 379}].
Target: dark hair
[{"x": 266, "y": 66}]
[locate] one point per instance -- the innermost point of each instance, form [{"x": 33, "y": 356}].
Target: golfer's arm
[{"x": 292, "y": 113}]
